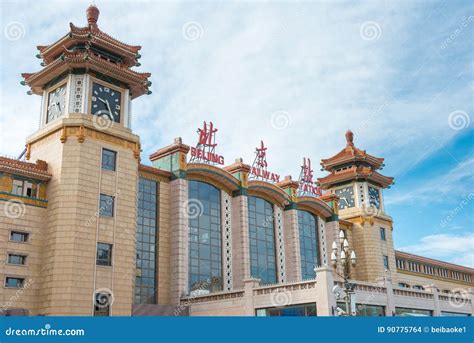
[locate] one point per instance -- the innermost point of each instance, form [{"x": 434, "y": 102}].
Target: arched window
[
  {"x": 205, "y": 264},
  {"x": 309, "y": 248},
  {"x": 262, "y": 240}
]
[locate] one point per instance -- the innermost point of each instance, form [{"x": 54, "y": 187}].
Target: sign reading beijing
[
  {"x": 205, "y": 150},
  {"x": 307, "y": 185},
  {"x": 259, "y": 166}
]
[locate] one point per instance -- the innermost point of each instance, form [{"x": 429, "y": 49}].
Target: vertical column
[
  {"x": 323, "y": 242},
  {"x": 249, "y": 285},
  {"x": 280, "y": 244},
  {"x": 434, "y": 290},
  {"x": 226, "y": 219},
  {"x": 178, "y": 240},
  {"x": 240, "y": 240},
  {"x": 292, "y": 245},
  {"x": 325, "y": 300},
  {"x": 390, "y": 309}
]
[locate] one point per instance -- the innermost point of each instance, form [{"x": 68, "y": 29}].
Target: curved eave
[
  {"x": 213, "y": 175},
  {"x": 268, "y": 191},
  {"x": 136, "y": 81},
  {"x": 51, "y": 52},
  {"x": 375, "y": 177},
  {"x": 314, "y": 205}
]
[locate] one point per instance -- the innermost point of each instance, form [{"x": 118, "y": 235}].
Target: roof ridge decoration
[{"x": 104, "y": 50}]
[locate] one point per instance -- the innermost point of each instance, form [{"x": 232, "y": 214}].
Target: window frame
[
  {"x": 383, "y": 234},
  {"x": 107, "y": 166},
  {"x": 103, "y": 210},
  {"x": 317, "y": 258},
  {"x": 14, "y": 277},
  {"x": 386, "y": 262},
  {"x": 26, "y": 233},
  {"x": 24, "y": 259},
  {"x": 109, "y": 258}
]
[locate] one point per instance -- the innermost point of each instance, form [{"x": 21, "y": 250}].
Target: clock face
[
  {"x": 346, "y": 197},
  {"x": 56, "y": 103},
  {"x": 374, "y": 197},
  {"x": 106, "y": 102}
]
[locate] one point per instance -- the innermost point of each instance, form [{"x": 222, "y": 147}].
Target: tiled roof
[{"x": 38, "y": 170}]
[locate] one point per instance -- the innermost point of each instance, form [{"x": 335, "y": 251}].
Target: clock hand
[{"x": 108, "y": 106}]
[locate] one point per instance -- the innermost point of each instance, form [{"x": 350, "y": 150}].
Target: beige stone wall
[
  {"x": 240, "y": 241},
  {"x": 70, "y": 275},
  {"x": 32, "y": 221},
  {"x": 413, "y": 280},
  {"x": 292, "y": 245},
  {"x": 179, "y": 238}
]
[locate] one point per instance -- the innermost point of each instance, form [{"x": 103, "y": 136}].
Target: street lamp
[{"x": 347, "y": 260}]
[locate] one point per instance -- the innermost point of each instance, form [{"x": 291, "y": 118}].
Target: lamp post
[{"x": 346, "y": 258}]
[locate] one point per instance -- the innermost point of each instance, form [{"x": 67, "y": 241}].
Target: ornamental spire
[
  {"x": 92, "y": 14},
  {"x": 350, "y": 138}
]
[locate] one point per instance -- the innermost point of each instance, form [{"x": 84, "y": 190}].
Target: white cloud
[
  {"x": 253, "y": 59},
  {"x": 453, "y": 248},
  {"x": 436, "y": 189}
]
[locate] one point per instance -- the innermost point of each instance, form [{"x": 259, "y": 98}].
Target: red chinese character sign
[
  {"x": 307, "y": 185},
  {"x": 205, "y": 150},
  {"x": 259, "y": 167}
]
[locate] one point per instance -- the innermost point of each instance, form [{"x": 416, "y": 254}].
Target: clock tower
[
  {"x": 87, "y": 86},
  {"x": 355, "y": 179}
]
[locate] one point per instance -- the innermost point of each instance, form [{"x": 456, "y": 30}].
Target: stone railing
[
  {"x": 218, "y": 296},
  {"x": 364, "y": 286},
  {"x": 286, "y": 287},
  {"x": 412, "y": 293}
]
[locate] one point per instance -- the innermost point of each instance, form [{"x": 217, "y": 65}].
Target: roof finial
[
  {"x": 349, "y": 138},
  {"x": 92, "y": 13}
]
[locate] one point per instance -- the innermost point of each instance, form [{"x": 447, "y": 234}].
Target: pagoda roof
[
  {"x": 351, "y": 154},
  {"x": 354, "y": 173},
  {"x": 138, "y": 82},
  {"x": 91, "y": 49},
  {"x": 90, "y": 34}
]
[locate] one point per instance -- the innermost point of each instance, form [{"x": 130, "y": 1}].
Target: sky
[{"x": 297, "y": 75}]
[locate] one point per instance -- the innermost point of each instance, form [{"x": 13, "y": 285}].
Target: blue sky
[{"x": 298, "y": 75}]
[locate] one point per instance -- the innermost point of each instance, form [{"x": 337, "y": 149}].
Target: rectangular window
[
  {"x": 385, "y": 262},
  {"x": 16, "y": 259},
  {"x": 382, "y": 234},
  {"x": 109, "y": 158},
  {"x": 14, "y": 282},
  {"x": 24, "y": 188},
  {"x": 106, "y": 205},
  {"x": 102, "y": 304},
  {"x": 104, "y": 254},
  {"x": 17, "y": 187},
  {"x": 17, "y": 236}
]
